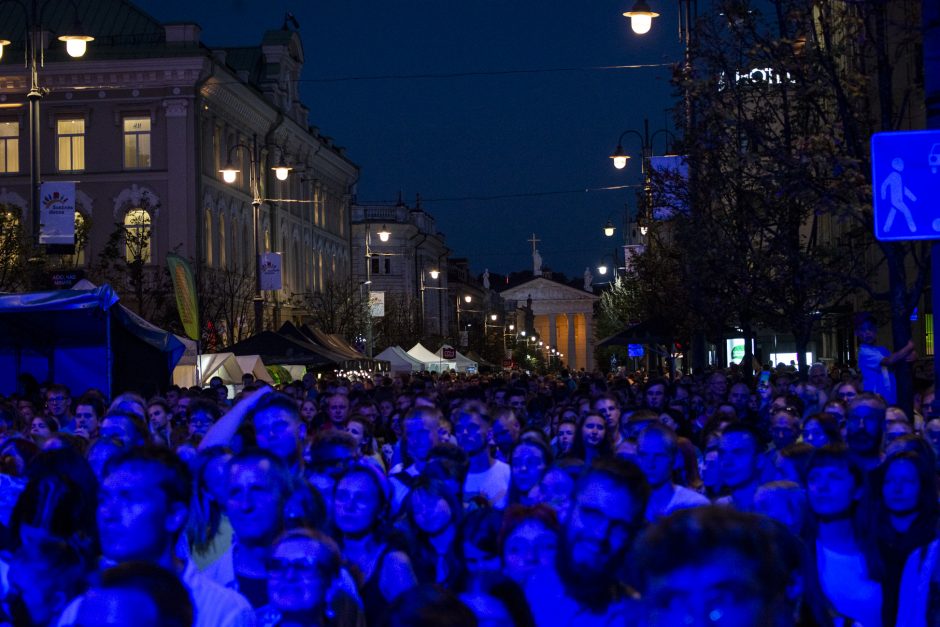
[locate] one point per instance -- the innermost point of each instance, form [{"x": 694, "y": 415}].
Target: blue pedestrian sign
[{"x": 906, "y": 185}]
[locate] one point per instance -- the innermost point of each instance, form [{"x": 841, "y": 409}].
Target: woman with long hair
[
  {"x": 592, "y": 439},
  {"x": 361, "y": 501},
  {"x": 901, "y": 510},
  {"x": 432, "y": 518}
]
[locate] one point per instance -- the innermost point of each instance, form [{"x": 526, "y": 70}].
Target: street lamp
[
  {"x": 384, "y": 233},
  {"x": 76, "y": 41},
  {"x": 646, "y": 146},
  {"x": 641, "y": 17},
  {"x": 229, "y": 175},
  {"x": 434, "y": 275},
  {"x": 609, "y": 228}
]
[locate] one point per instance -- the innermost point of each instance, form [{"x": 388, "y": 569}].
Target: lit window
[
  {"x": 136, "y": 143},
  {"x": 81, "y": 238},
  {"x": 137, "y": 236},
  {"x": 71, "y": 144},
  {"x": 9, "y": 147}
]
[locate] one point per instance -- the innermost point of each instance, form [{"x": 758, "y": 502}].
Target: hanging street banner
[
  {"x": 377, "y": 304},
  {"x": 270, "y": 271},
  {"x": 184, "y": 287},
  {"x": 57, "y": 213}
]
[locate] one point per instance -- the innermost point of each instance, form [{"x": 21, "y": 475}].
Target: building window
[
  {"x": 374, "y": 269},
  {"x": 9, "y": 147},
  {"x": 388, "y": 266},
  {"x": 928, "y": 339},
  {"x": 207, "y": 230},
  {"x": 81, "y": 238},
  {"x": 71, "y": 144},
  {"x": 137, "y": 236},
  {"x": 136, "y": 143}
]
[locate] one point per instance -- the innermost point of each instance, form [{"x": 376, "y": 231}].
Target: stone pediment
[{"x": 541, "y": 289}]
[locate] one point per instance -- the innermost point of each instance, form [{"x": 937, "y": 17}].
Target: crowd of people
[{"x": 501, "y": 500}]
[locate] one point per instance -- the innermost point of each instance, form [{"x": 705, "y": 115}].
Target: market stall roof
[
  {"x": 274, "y": 348},
  {"x": 400, "y": 361},
  {"x": 464, "y": 364},
  {"x": 433, "y": 362},
  {"x": 83, "y": 338}
]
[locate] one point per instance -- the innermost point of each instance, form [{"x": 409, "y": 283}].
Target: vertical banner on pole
[
  {"x": 57, "y": 213},
  {"x": 271, "y": 271},
  {"x": 184, "y": 287}
]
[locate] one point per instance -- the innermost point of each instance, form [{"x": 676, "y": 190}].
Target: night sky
[{"x": 486, "y": 147}]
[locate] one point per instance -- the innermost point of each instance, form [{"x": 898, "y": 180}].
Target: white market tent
[
  {"x": 400, "y": 361},
  {"x": 464, "y": 363},
  {"x": 223, "y": 365},
  {"x": 252, "y": 364},
  {"x": 434, "y": 363}
]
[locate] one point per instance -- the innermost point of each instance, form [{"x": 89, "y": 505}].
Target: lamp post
[
  {"x": 76, "y": 41},
  {"x": 434, "y": 275},
  {"x": 620, "y": 158},
  {"x": 467, "y": 298},
  {"x": 384, "y": 235},
  {"x": 230, "y": 175}
]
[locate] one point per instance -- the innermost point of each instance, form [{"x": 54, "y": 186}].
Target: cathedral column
[{"x": 571, "y": 352}]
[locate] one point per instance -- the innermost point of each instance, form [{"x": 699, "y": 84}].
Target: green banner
[{"x": 185, "y": 289}]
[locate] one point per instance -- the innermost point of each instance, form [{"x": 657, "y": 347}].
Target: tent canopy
[
  {"x": 276, "y": 349},
  {"x": 464, "y": 364},
  {"x": 400, "y": 361},
  {"x": 222, "y": 365},
  {"x": 252, "y": 364},
  {"x": 434, "y": 363},
  {"x": 83, "y": 338}
]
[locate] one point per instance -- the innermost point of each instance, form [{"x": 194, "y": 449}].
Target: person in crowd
[
  {"x": 127, "y": 426},
  {"x": 361, "y": 503},
  {"x": 337, "y": 411},
  {"x": 821, "y": 428},
  {"x": 487, "y": 477},
  {"x": 864, "y": 429},
  {"x": 59, "y": 406},
  {"x": 505, "y": 433},
  {"x": 785, "y": 502},
  {"x": 479, "y": 538},
  {"x": 142, "y": 594},
  {"x": 608, "y": 406},
  {"x": 159, "y": 416},
  {"x": 428, "y": 606},
  {"x": 432, "y": 517},
  {"x": 302, "y": 571},
  {"x": 710, "y": 565},
  {"x": 142, "y": 511},
  {"x": 43, "y": 428},
  {"x": 593, "y": 439},
  {"x": 528, "y": 541},
  {"x": 529, "y": 460},
  {"x": 564, "y": 438},
  {"x": 845, "y": 567},
  {"x": 657, "y": 454},
  {"x": 902, "y": 509},
  {"x": 200, "y": 416},
  {"x": 655, "y": 395},
  {"x": 877, "y": 362},
  {"x": 741, "y": 461},
  {"x": 89, "y": 410},
  {"x": 420, "y": 434},
  {"x": 784, "y": 427},
  {"x": 516, "y": 401},
  {"x": 587, "y": 583},
  {"x": 44, "y": 576}
]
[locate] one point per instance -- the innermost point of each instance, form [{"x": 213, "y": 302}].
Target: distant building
[
  {"x": 144, "y": 122},
  {"x": 403, "y": 267}
]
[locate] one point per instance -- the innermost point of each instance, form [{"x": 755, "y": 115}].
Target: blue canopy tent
[{"x": 83, "y": 339}]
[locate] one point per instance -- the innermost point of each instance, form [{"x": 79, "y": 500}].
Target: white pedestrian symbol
[{"x": 895, "y": 185}]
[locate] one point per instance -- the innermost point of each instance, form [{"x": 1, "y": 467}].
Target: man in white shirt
[
  {"x": 487, "y": 477},
  {"x": 657, "y": 448},
  {"x": 143, "y": 506}
]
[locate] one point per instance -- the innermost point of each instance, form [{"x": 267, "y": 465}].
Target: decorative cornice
[{"x": 136, "y": 197}]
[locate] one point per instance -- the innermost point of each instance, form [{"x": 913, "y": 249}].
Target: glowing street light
[{"x": 641, "y": 17}]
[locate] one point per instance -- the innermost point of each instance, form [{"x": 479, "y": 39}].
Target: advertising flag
[{"x": 185, "y": 289}]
